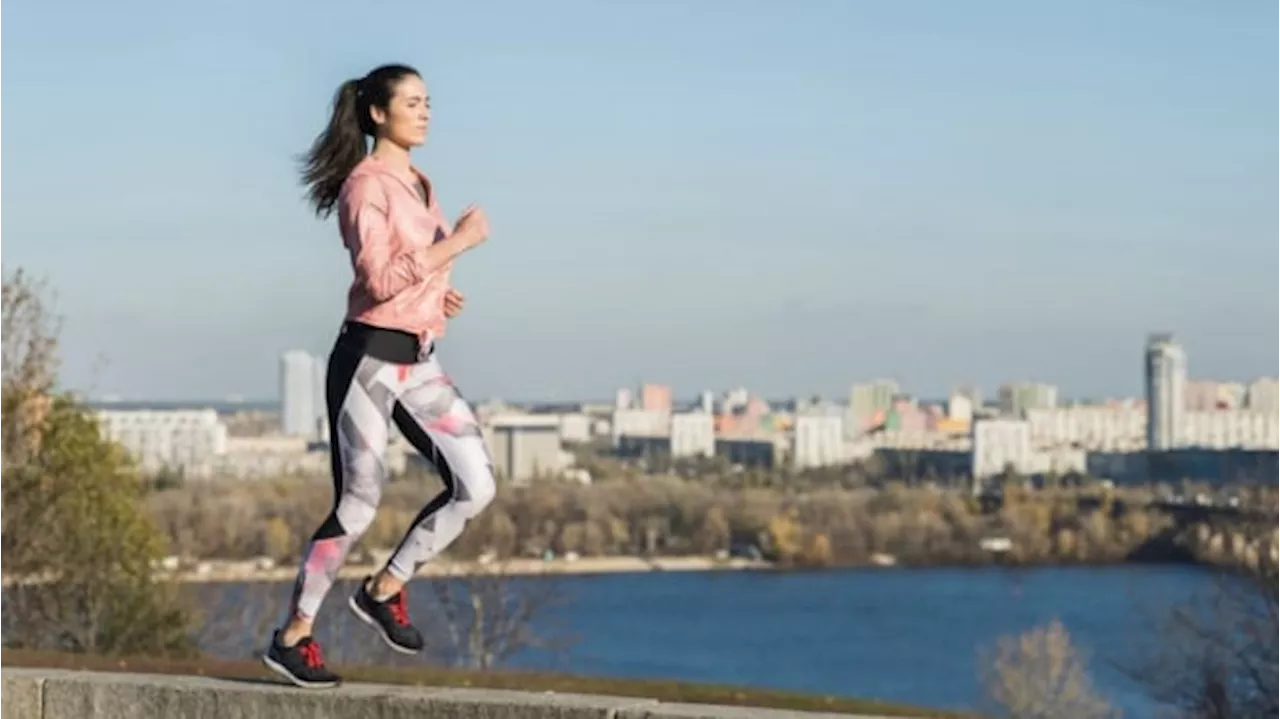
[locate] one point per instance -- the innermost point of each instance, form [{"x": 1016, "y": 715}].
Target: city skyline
[
  {"x": 786, "y": 198},
  {"x": 293, "y": 363},
  {"x": 1025, "y": 429}
]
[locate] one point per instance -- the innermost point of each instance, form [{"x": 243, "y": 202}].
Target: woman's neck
[{"x": 393, "y": 155}]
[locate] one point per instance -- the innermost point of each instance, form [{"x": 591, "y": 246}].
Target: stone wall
[{"x": 58, "y": 694}]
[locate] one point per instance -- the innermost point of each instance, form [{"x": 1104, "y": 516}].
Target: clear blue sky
[{"x": 784, "y": 195}]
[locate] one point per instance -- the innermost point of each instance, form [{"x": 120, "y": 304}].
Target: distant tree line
[{"x": 652, "y": 515}]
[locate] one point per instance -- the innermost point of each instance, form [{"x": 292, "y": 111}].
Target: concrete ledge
[{"x": 61, "y": 694}]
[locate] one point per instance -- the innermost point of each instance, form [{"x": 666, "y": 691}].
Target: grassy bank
[{"x": 670, "y": 691}]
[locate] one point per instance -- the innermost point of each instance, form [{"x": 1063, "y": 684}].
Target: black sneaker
[
  {"x": 390, "y": 618},
  {"x": 301, "y": 663}
]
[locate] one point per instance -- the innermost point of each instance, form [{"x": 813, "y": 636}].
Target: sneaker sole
[
  {"x": 278, "y": 668},
  {"x": 364, "y": 617}
]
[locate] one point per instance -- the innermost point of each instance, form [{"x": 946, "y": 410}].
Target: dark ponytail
[{"x": 341, "y": 146}]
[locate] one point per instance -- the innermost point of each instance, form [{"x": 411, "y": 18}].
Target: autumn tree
[
  {"x": 29, "y": 369},
  {"x": 1041, "y": 675},
  {"x": 79, "y": 549},
  {"x": 782, "y": 538},
  {"x": 713, "y": 535},
  {"x": 818, "y": 553}
]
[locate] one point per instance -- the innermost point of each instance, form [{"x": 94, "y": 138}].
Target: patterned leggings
[{"x": 365, "y": 394}]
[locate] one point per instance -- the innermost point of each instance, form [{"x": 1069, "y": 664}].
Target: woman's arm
[{"x": 365, "y": 218}]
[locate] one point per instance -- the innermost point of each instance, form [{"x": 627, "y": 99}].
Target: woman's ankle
[
  {"x": 295, "y": 631},
  {"x": 384, "y": 585}
]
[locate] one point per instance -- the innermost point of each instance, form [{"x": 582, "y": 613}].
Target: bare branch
[
  {"x": 1216, "y": 655},
  {"x": 1040, "y": 675},
  {"x": 488, "y": 617}
]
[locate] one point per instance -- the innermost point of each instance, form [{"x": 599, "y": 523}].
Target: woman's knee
[
  {"x": 480, "y": 488},
  {"x": 356, "y": 511}
]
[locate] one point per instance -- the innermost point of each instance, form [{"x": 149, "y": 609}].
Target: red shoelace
[
  {"x": 311, "y": 654},
  {"x": 398, "y": 610}
]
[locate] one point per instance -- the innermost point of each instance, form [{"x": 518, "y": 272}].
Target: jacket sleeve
[{"x": 364, "y": 214}]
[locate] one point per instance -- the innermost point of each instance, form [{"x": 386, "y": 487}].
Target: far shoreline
[
  {"x": 213, "y": 571},
  {"x": 247, "y": 571}
]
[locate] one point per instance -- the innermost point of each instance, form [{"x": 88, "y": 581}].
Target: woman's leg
[
  {"x": 434, "y": 417},
  {"x": 360, "y": 393}
]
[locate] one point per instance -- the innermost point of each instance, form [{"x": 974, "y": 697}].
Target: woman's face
[{"x": 407, "y": 115}]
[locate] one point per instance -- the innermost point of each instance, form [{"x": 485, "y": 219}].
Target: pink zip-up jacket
[{"x": 386, "y": 227}]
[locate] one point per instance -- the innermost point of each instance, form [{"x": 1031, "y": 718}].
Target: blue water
[{"x": 909, "y": 635}]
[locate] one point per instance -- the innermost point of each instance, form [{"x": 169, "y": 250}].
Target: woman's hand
[
  {"x": 472, "y": 226},
  {"x": 453, "y": 301}
]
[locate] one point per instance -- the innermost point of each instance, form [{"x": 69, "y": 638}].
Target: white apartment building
[
  {"x": 189, "y": 440},
  {"x": 1000, "y": 443},
  {"x": 1231, "y": 429},
  {"x": 1263, "y": 395},
  {"x": 1106, "y": 428},
  {"x": 1209, "y": 395},
  {"x": 971, "y": 393},
  {"x": 693, "y": 434},
  {"x": 524, "y": 446},
  {"x": 575, "y": 427},
  {"x": 818, "y": 441},
  {"x": 734, "y": 400},
  {"x": 270, "y": 456},
  {"x": 960, "y": 408},
  {"x": 1057, "y": 460},
  {"x": 931, "y": 440},
  {"x": 640, "y": 423}
]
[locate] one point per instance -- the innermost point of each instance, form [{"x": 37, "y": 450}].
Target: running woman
[{"x": 382, "y": 369}]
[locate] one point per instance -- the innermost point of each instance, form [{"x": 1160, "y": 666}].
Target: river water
[{"x": 910, "y": 635}]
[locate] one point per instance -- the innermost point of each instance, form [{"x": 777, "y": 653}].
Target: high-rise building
[
  {"x": 693, "y": 434},
  {"x": 622, "y": 399},
  {"x": 655, "y": 397},
  {"x": 970, "y": 391},
  {"x": 1166, "y": 379},
  {"x": 869, "y": 402},
  {"x": 1263, "y": 395},
  {"x": 298, "y": 409},
  {"x": 1211, "y": 395},
  {"x": 1017, "y": 398},
  {"x": 735, "y": 400},
  {"x": 818, "y": 441}
]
